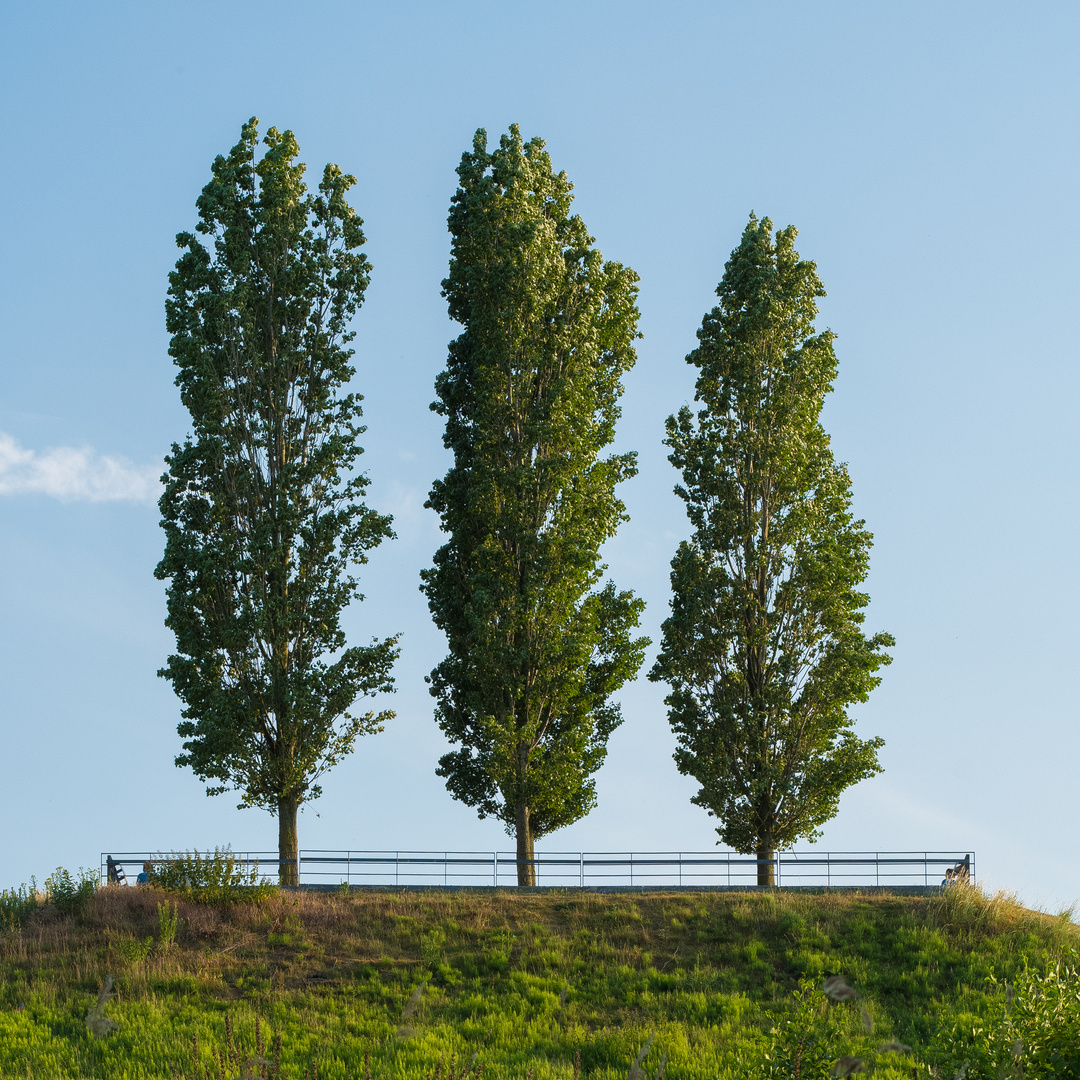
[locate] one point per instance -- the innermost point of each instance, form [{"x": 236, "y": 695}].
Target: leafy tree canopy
[
  {"x": 764, "y": 649},
  {"x": 530, "y": 395},
  {"x": 262, "y": 508}
]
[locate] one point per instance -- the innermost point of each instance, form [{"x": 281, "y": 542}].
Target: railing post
[{"x": 581, "y": 869}]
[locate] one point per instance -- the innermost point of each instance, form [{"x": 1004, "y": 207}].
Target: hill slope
[{"x": 520, "y": 980}]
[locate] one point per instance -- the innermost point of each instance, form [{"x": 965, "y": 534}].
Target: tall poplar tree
[
  {"x": 262, "y": 508},
  {"x": 530, "y": 396},
  {"x": 764, "y": 649}
]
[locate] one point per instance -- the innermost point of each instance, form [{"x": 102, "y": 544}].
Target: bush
[
  {"x": 802, "y": 1044},
  {"x": 209, "y": 879},
  {"x": 70, "y": 895},
  {"x": 16, "y": 904},
  {"x": 1035, "y": 1031}
]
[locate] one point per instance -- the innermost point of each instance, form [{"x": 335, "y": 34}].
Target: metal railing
[{"x": 581, "y": 869}]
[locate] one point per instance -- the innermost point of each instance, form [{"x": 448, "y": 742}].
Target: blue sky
[{"x": 928, "y": 155}]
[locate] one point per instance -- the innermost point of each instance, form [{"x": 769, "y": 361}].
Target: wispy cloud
[
  {"x": 71, "y": 474},
  {"x": 405, "y": 503}
]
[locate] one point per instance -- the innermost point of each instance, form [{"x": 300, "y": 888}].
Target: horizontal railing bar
[
  {"x": 345, "y": 856},
  {"x": 355, "y": 860},
  {"x": 866, "y": 862}
]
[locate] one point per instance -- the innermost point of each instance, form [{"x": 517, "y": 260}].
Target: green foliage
[
  {"x": 288, "y": 933},
  {"x": 133, "y": 950},
  {"x": 431, "y": 949},
  {"x": 16, "y": 904},
  {"x": 530, "y": 395},
  {"x": 262, "y": 506},
  {"x": 827, "y": 1031},
  {"x": 69, "y": 895},
  {"x": 1033, "y": 1031},
  {"x": 802, "y": 1043},
  {"x": 229, "y": 1060},
  {"x": 208, "y": 879},
  {"x": 763, "y": 649},
  {"x": 168, "y": 921}
]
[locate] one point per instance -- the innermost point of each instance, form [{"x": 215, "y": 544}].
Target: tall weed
[
  {"x": 231, "y": 1062},
  {"x": 16, "y": 904},
  {"x": 167, "y": 925},
  {"x": 209, "y": 879},
  {"x": 70, "y": 895}
]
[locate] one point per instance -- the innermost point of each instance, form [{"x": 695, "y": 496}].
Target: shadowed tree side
[
  {"x": 530, "y": 396},
  {"x": 262, "y": 508},
  {"x": 763, "y": 649}
]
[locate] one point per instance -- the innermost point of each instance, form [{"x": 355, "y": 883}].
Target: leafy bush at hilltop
[
  {"x": 209, "y": 879},
  {"x": 70, "y": 895},
  {"x": 16, "y": 904}
]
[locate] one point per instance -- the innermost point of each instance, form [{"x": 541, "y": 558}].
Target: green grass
[{"x": 522, "y": 981}]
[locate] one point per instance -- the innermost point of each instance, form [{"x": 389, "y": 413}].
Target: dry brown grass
[{"x": 972, "y": 910}]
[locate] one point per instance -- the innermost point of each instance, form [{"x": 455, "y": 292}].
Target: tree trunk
[
  {"x": 526, "y": 872},
  {"x": 288, "y": 849},
  {"x": 766, "y": 870}
]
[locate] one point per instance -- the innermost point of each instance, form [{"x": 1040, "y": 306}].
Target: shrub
[
  {"x": 134, "y": 950},
  {"x": 70, "y": 895},
  {"x": 16, "y": 904},
  {"x": 1035, "y": 1030},
  {"x": 209, "y": 879},
  {"x": 805, "y": 1043}
]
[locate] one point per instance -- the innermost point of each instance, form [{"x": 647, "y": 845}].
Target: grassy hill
[{"x": 526, "y": 982}]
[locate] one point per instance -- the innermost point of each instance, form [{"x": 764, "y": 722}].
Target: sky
[{"x": 927, "y": 154}]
